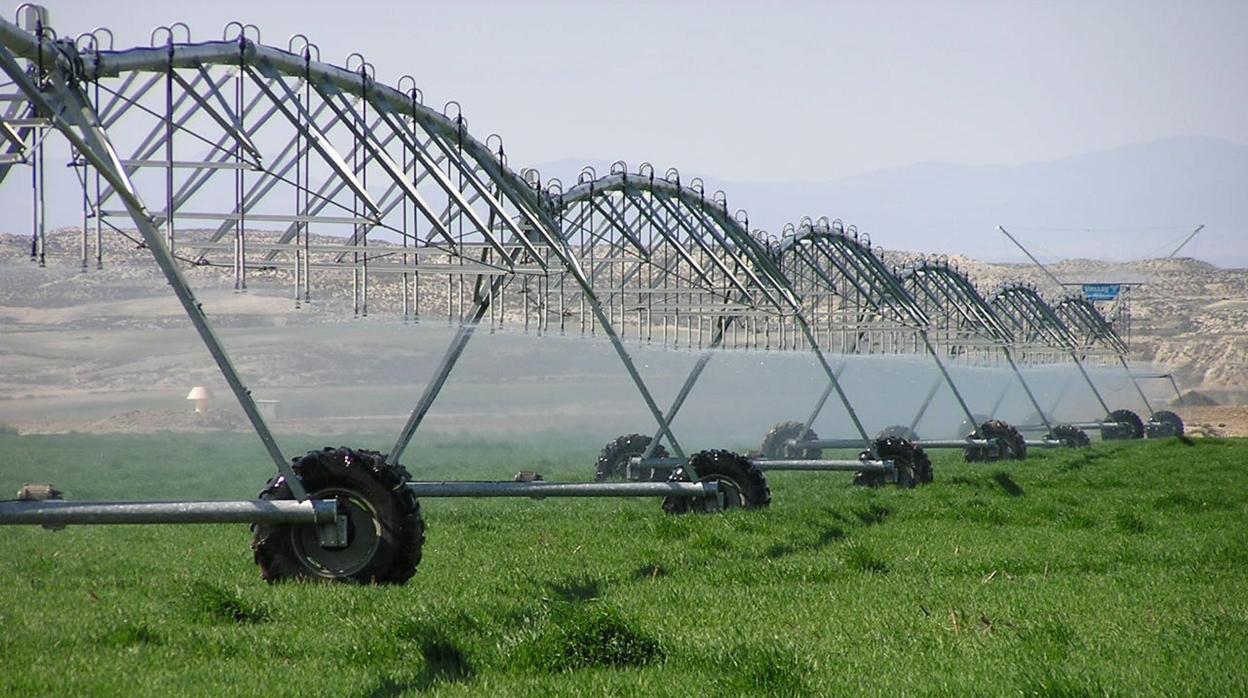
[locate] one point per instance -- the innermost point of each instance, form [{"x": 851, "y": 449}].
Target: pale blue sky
[
  {"x": 775, "y": 90},
  {"x": 763, "y": 92}
]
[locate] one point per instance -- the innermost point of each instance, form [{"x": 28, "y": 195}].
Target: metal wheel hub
[{"x": 363, "y": 537}]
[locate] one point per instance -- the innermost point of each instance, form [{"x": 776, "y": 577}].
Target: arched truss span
[
  {"x": 671, "y": 266},
  {"x": 963, "y": 323},
  {"x": 854, "y": 302},
  {"x": 1089, "y": 327},
  {"x": 1039, "y": 334}
]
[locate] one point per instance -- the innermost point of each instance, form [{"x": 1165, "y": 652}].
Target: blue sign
[{"x": 1101, "y": 292}]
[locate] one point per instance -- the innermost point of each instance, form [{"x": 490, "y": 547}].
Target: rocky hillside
[{"x": 1188, "y": 316}]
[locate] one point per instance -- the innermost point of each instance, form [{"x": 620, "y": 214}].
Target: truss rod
[{"x": 94, "y": 145}]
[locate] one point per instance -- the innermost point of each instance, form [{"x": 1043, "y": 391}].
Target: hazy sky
[{"x": 774, "y": 90}]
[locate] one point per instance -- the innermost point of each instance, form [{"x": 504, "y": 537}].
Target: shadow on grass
[
  {"x": 1057, "y": 681},
  {"x": 128, "y": 634},
  {"x": 1007, "y": 484},
  {"x": 442, "y": 659},
  {"x": 1084, "y": 457},
  {"x": 1130, "y": 522},
  {"x": 872, "y": 514},
  {"x": 216, "y": 604},
  {"x": 823, "y": 538},
  {"x": 444, "y": 662},
  {"x": 576, "y": 589}
]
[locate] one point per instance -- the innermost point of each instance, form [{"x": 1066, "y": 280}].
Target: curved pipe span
[
  {"x": 950, "y": 295},
  {"x": 734, "y": 263},
  {"x": 1030, "y": 319},
  {"x": 845, "y": 263},
  {"x": 1089, "y": 325}
]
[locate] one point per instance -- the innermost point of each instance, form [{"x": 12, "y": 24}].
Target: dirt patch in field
[{"x": 1220, "y": 420}]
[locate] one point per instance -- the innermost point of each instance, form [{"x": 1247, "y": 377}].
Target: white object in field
[
  {"x": 268, "y": 408},
  {"x": 200, "y": 395}
]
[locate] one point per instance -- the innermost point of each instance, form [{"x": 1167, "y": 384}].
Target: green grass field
[{"x": 1116, "y": 570}]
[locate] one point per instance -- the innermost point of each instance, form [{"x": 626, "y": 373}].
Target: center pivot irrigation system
[{"x": 232, "y": 133}]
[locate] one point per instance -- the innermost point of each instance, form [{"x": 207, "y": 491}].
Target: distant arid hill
[{"x": 1187, "y": 316}]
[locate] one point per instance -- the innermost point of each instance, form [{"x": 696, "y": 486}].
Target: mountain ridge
[{"x": 1091, "y": 205}]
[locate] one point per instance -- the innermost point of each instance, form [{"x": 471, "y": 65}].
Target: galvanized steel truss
[{"x": 289, "y": 140}]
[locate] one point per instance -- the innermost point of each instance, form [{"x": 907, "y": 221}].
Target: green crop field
[{"x": 1115, "y": 570}]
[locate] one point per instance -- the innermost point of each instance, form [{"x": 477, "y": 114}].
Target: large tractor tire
[
  {"x": 1009, "y": 444},
  {"x": 613, "y": 461},
  {"x": 384, "y": 529},
  {"x": 1122, "y": 425},
  {"x": 1164, "y": 424},
  {"x": 1070, "y": 435},
  {"x": 741, "y": 484},
  {"x": 912, "y": 464},
  {"x": 776, "y": 446}
]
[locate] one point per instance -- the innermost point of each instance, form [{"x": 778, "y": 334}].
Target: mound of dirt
[
  {"x": 1220, "y": 421},
  {"x": 1194, "y": 398}
]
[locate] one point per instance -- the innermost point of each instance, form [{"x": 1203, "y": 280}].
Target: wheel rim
[
  {"x": 363, "y": 538},
  {"x": 730, "y": 495}
]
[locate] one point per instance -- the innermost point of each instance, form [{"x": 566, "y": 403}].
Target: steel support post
[
  {"x": 832, "y": 376},
  {"x": 996, "y": 404},
  {"x": 1147, "y": 405},
  {"x": 434, "y": 387},
  {"x": 819, "y": 404},
  {"x": 685, "y": 389},
  {"x": 927, "y": 401},
  {"x": 1048, "y": 416},
  {"x": 927, "y": 342},
  {"x": 1175, "y": 385},
  {"x": 1027, "y": 389},
  {"x": 541, "y": 221},
  {"x": 1088, "y": 380}
]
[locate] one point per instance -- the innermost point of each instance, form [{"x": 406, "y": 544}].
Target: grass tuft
[
  {"x": 593, "y": 635},
  {"x": 1130, "y": 522},
  {"x": 860, "y": 558},
  {"x": 128, "y": 634},
  {"x": 763, "y": 669},
  {"x": 1055, "y": 681}
]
